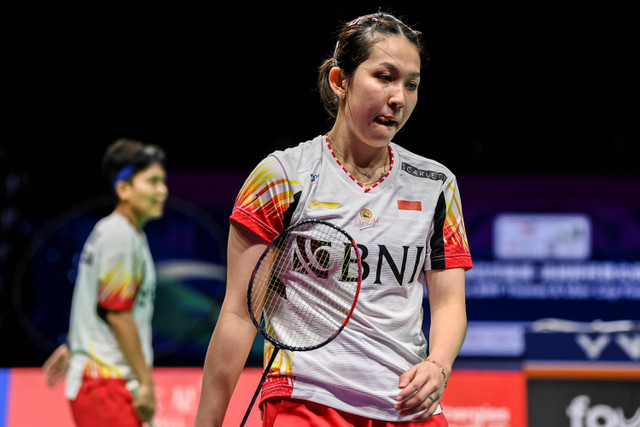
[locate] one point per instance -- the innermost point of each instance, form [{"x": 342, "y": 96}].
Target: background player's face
[
  {"x": 148, "y": 192},
  {"x": 384, "y": 90}
]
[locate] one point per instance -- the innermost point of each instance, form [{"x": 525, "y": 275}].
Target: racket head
[{"x": 305, "y": 285}]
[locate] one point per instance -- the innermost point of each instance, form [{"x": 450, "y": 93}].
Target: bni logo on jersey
[{"x": 365, "y": 220}]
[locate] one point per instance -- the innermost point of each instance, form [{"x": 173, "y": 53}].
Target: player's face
[
  {"x": 384, "y": 90},
  {"x": 148, "y": 193}
]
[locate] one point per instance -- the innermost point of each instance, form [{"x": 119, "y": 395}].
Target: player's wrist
[
  {"x": 145, "y": 379},
  {"x": 445, "y": 373}
]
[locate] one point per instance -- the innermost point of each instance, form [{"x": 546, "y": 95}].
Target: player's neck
[
  {"x": 127, "y": 212},
  {"x": 356, "y": 151}
]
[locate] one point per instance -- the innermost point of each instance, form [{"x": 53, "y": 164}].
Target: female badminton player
[
  {"x": 405, "y": 214},
  {"x": 109, "y": 356}
]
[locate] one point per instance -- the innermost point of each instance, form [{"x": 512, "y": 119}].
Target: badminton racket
[{"x": 304, "y": 288}]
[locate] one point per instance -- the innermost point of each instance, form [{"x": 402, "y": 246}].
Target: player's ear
[
  {"x": 338, "y": 82},
  {"x": 122, "y": 189}
]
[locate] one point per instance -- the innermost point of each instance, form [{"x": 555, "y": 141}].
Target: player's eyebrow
[{"x": 394, "y": 67}]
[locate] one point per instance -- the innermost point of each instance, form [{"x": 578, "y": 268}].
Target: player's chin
[
  {"x": 156, "y": 211},
  {"x": 387, "y": 131}
]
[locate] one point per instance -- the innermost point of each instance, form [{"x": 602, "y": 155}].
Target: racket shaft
[{"x": 255, "y": 395}]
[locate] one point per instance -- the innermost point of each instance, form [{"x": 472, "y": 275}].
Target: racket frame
[{"x": 277, "y": 241}]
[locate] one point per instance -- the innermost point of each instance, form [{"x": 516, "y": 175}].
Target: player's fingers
[
  {"x": 422, "y": 407},
  {"x": 53, "y": 360},
  {"x": 144, "y": 412},
  {"x": 419, "y": 400},
  {"x": 412, "y": 380},
  {"x": 52, "y": 377},
  {"x": 425, "y": 415},
  {"x": 412, "y": 394},
  {"x": 406, "y": 378}
]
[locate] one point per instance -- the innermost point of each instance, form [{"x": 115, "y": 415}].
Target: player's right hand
[
  {"x": 56, "y": 366},
  {"x": 144, "y": 402}
]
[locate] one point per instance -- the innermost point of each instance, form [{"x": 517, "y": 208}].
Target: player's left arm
[
  {"x": 448, "y": 315},
  {"x": 423, "y": 385},
  {"x": 126, "y": 333}
]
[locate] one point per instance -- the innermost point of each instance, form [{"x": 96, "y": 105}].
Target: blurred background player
[{"x": 109, "y": 356}]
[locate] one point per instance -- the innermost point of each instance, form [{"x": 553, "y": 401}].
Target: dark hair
[
  {"x": 355, "y": 40},
  {"x": 126, "y": 157}
]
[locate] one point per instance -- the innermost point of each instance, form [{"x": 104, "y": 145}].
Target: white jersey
[
  {"x": 408, "y": 223},
  {"x": 116, "y": 272}
]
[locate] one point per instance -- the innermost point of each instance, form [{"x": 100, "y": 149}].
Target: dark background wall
[{"x": 534, "y": 89}]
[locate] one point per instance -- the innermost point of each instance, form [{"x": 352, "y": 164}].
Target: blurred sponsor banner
[
  {"x": 472, "y": 399},
  {"x": 542, "y": 236},
  {"x": 552, "y": 246},
  {"x": 493, "y": 339},
  {"x": 26, "y": 401},
  {"x": 556, "y": 339},
  {"x": 584, "y": 402},
  {"x": 583, "y": 394},
  {"x": 485, "y": 399}
]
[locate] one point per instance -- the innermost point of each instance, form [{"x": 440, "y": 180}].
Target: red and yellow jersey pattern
[
  {"x": 119, "y": 282},
  {"x": 263, "y": 200},
  {"x": 449, "y": 244},
  {"x": 455, "y": 234}
]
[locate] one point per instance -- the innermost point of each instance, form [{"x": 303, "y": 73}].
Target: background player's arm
[
  {"x": 234, "y": 332},
  {"x": 126, "y": 333},
  {"x": 56, "y": 366}
]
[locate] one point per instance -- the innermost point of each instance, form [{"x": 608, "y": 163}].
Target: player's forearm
[
  {"x": 447, "y": 333},
  {"x": 448, "y": 315},
  {"x": 226, "y": 356},
  {"x": 126, "y": 333}
]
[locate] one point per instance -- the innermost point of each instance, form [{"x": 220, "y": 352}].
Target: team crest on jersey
[{"x": 366, "y": 219}]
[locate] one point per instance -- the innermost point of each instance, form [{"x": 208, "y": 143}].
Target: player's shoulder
[
  {"x": 305, "y": 152},
  {"x": 114, "y": 229},
  {"x": 420, "y": 166},
  {"x": 285, "y": 165}
]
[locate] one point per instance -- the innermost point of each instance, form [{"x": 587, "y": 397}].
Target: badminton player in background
[
  {"x": 403, "y": 211},
  {"x": 108, "y": 361}
]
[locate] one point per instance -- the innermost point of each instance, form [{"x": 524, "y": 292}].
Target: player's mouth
[
  {"x": 389, "y": 121},
  {"x": 157, "y": 203}
]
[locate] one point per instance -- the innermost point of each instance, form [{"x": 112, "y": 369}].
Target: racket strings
[{"x": 300, "y": 294}]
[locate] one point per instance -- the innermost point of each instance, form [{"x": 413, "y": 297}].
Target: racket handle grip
[{"x": 255, "y": 395}]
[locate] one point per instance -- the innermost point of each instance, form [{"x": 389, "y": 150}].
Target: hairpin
[{"x": 357, "y": 20}]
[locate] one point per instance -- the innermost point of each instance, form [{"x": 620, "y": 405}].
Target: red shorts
[
  {"x": 288, "y": 412},
  {"x": 103, "y": 403}
]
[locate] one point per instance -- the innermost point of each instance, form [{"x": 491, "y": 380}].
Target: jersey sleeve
[
  {"x": 264, "y": 199},
  {"x": 448, "y": 243},
  {"x": 120, "y": 273}
]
